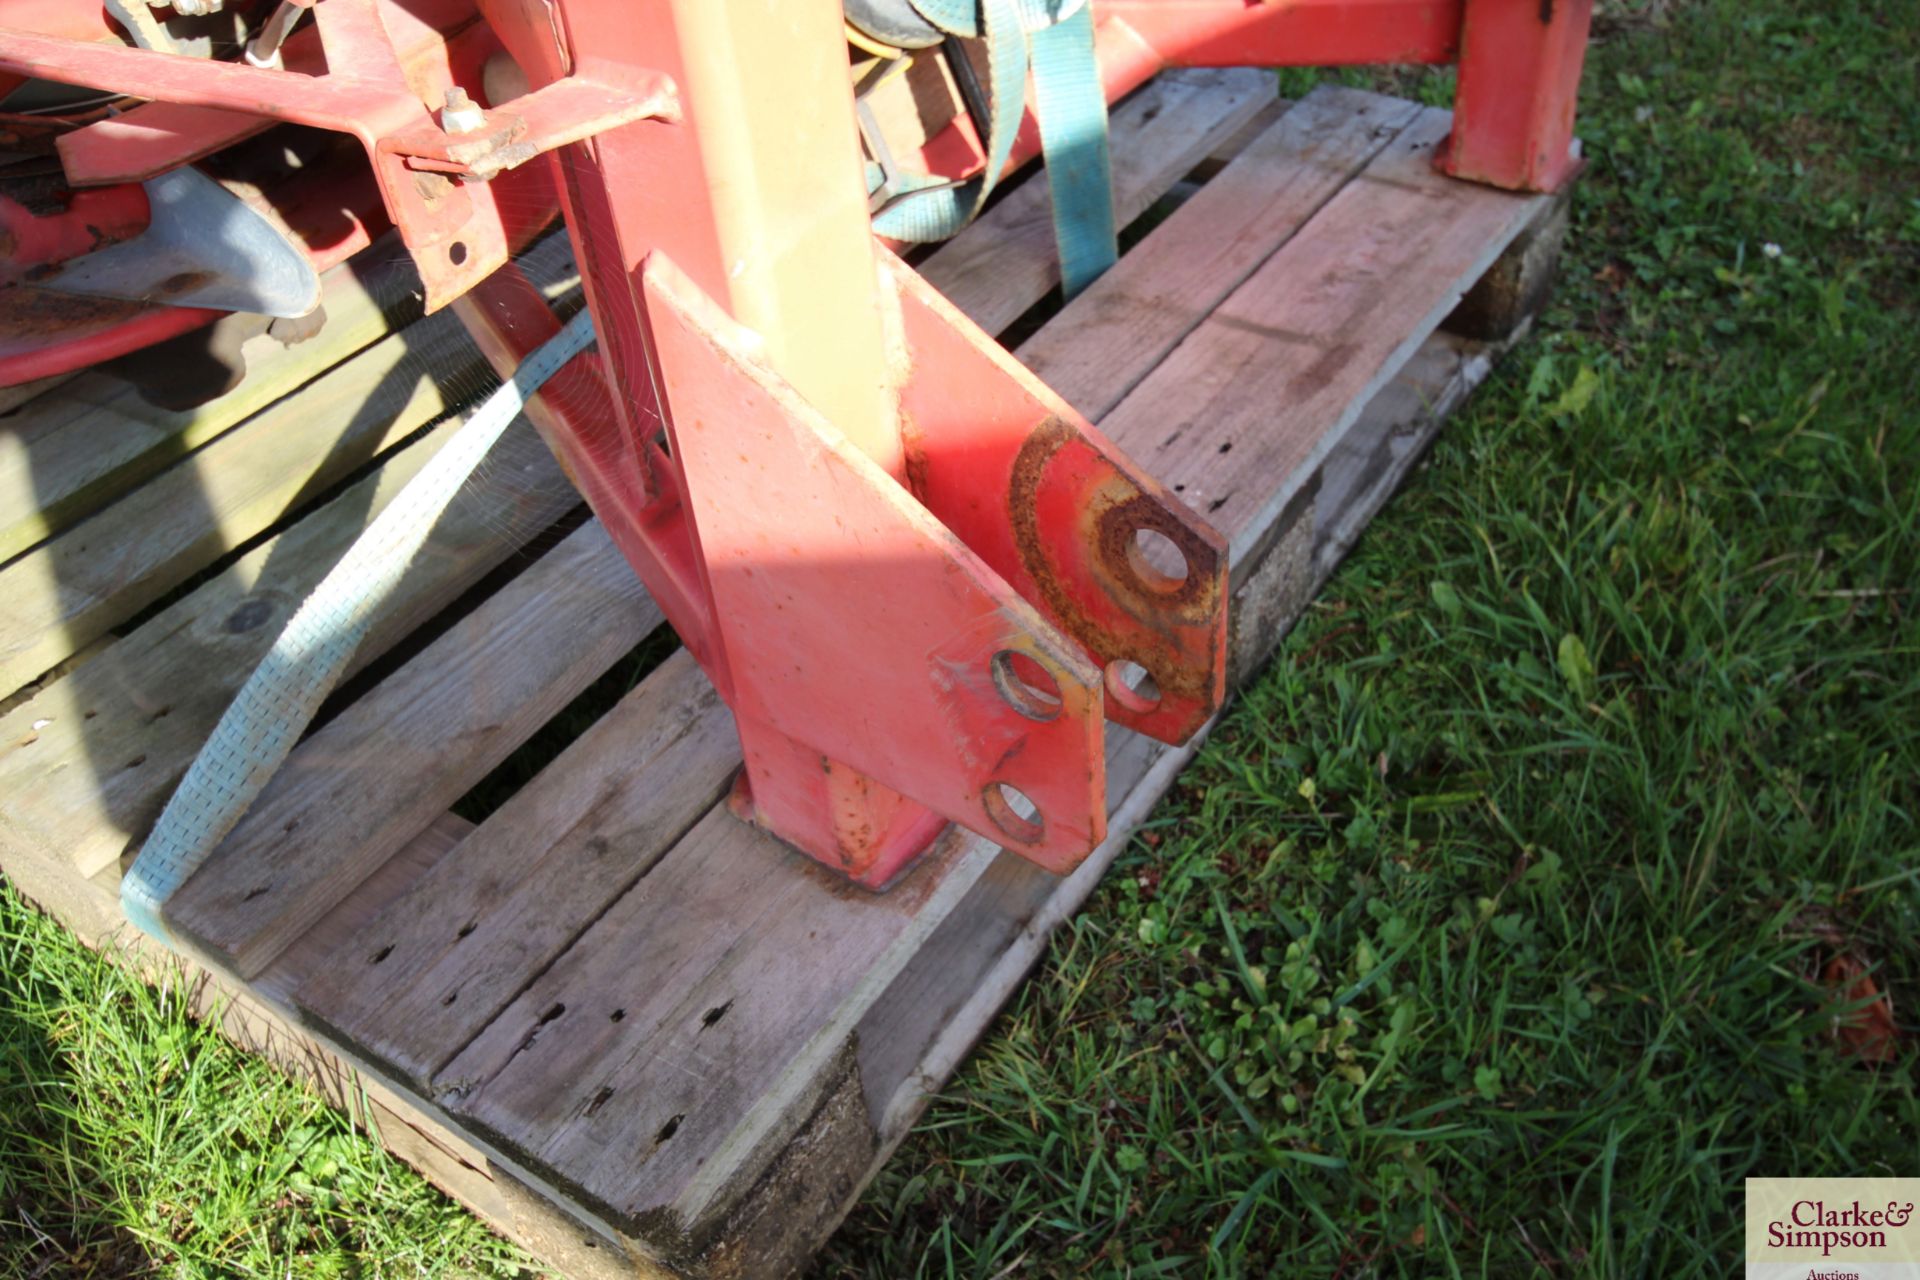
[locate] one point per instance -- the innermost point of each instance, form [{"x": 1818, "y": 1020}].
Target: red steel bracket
[
  {"x": 1103, "y": 549},
  {"x": 888, "y": 646},
  {"x": 853, "y": 622}
]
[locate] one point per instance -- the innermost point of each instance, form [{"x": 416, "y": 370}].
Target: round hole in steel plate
[
  {"x": 457, "y": 252},
  {"x": 1132, "y": 686},
  {"x": 1157, "y": 559},
  {"x": 1026, "y": 684},
  {"x": 1017, "y": 816}
]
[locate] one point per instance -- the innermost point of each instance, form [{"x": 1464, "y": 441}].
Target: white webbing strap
[{"x": 278, "y": 701}]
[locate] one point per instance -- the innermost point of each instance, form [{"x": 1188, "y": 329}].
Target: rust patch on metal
[
  {"x": 50, "y": 315},
  {"x": 183, "y": 282},
  {"x": 913, "y": 449},
  {"x": 1118, "y": 529},
  {"x": 1112, "y": 515},
  {"x": 1023, "y": 491}
]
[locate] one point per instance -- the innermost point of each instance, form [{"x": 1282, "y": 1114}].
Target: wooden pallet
[{"x": 635, "y": 1034}]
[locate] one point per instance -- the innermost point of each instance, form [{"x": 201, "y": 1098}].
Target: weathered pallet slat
[
  {"x": 1181, "y": 272},
  {"x": 72, "y": 589},
  {"x": 460, "y": 943},
  {"x": 1305, "y": 334},
  {"x": 341, "y": 928},
  {"x": 358, "y": 789},
  {"x": 69, "y": 454},
  {"x": 633, "y": 1032},
  {"x": 13, "y": 397},
  {"x": 75, "y": 587},
  {"x": 87, "y": 763}
]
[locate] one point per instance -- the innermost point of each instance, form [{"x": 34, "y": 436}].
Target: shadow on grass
[{"x": 134, "y": 1140}]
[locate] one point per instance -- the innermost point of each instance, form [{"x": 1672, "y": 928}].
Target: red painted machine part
[
  {"x": 334, "y": 213},
  {"x": 44, "y": 333},
  {"x": 457, "y": 233},
  {"x": 1519, "y": 74},
  {"x": 812, "y": 527},
  {"x": 91, "y": 220},
  {"x": 1519, "y": 83},
  {"x": 74, "y": 21},
  {"x": 783, "y": 547}
]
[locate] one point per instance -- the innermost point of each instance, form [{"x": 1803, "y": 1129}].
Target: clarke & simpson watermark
[{"x": 1832, "y": 1229}]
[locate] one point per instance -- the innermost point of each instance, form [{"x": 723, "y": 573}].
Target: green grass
[
  {"x": 135, "y": 1141},
  {"x": 1484, "y": 936}
]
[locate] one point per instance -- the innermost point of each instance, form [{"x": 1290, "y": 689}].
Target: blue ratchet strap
[
  {"x": 1071, "y": 108},
  {"x": 278, "y": 701}
]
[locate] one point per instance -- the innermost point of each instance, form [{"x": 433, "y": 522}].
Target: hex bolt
[{"x": 461, "y": 114}]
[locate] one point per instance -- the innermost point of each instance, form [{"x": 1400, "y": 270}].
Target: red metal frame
[
  {"x": 456, "y": 232},
  {"x": 90, "y": 220},
  {"x": 915, "y": 574},
  {"x": 1520, "y": 64}
]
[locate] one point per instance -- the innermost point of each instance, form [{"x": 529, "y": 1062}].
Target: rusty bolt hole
[
  {"x": 1157, "y": 560},
  {"x": 1017, "y": 816},
  {"x": 1132, "y": 686},
  {"x": 1028, "y": 687}
]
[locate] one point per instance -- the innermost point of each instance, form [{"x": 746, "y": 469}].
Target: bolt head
[{"x": 461, "y": 114}]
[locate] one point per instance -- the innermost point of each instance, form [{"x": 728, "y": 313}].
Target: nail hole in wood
[
  {"x": 600, "y": 1099},
  {"x": 618, "y": 1015},
  {"x": 467, "y": 928},
  {"x": 446, "y": 1001},
  {"x": 714, "y": 1015},
  {"x": 383, "y": 953},
  {"x": 668, "y": 1129},
  {"x": 552, "y": 1013}
]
